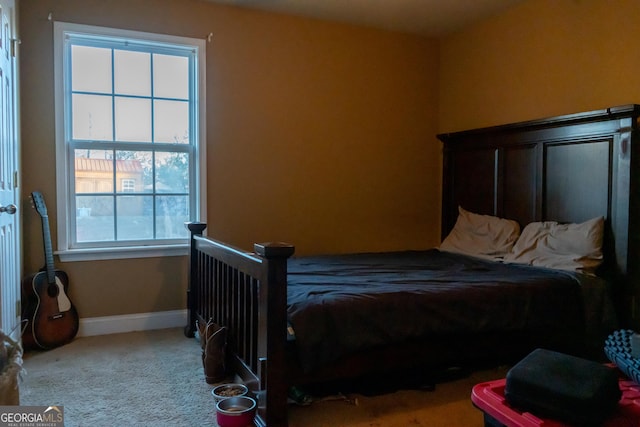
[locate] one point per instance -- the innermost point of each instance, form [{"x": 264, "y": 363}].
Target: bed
[{"x": 463, "y": 310}]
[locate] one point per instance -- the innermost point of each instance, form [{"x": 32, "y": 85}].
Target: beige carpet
[{"x": 155, "y": 378}]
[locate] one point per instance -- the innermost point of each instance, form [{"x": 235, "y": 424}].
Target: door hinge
[
  {"x": 14, "y": 43},
  {"x": 18, "y": 307},
  {"x": 15, "y": 179}
]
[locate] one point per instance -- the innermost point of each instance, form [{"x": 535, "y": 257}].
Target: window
[
  {"x": 130, "y": 163},
  {"x": 128, "y": 185}
]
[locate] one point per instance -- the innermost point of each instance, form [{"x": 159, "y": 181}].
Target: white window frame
[{"x": 65, "y": 162}]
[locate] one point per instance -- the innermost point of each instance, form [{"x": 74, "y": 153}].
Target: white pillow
[
  {"x": 482, "y": 236},
  {"x": 574, "y": 247}
]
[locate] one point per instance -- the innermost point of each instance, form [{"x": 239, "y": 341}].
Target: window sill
[{"x": 97, "y": 254}]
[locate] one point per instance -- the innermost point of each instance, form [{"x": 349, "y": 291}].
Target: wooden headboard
[{"x": 568, "y": 169}]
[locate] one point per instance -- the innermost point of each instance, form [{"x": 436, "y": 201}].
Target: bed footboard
[{"x": 247, "y": 293}]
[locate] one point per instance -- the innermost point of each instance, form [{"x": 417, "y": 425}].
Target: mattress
[{"x": 341, "y": 304}]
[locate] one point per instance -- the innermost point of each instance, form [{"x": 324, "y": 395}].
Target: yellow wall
[
  {"x": 319, "y": 134},
  {"x": 322, "y": 134},
  {"x": 541, "y": 58}
]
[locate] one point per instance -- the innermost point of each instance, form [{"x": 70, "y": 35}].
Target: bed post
[
  {"x": 274, "y": 380},
  {"x": 195, "y": 229}
]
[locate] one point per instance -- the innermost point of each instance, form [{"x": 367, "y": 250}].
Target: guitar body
[
  {"x": 52, "y": 320},
  {"x": 50, "y": 317}
]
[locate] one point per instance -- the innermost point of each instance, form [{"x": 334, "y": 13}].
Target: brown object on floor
[{"x": 213, "y": 340}]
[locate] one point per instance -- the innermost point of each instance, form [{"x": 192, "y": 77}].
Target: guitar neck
[{"x": 48, "y": 250}]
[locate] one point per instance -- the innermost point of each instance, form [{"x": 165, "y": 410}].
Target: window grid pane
[
  {"x": 132, "y": 119},
  {"x": 132, "y": 73},
  {"x": 92, "y": 117}
]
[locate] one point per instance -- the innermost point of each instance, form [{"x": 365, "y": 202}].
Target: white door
[{"x": 10, "y": 260}]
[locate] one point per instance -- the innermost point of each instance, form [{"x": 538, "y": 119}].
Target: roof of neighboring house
[{"x": 106, "y": 165}]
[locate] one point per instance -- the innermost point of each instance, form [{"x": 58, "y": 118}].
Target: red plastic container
[{"x": 489, "y": 398}]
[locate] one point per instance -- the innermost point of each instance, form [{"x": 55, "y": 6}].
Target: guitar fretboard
[{"x": 48, "y": 250}]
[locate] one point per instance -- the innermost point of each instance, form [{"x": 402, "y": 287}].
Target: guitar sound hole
[{"x": 52, "y": 290}]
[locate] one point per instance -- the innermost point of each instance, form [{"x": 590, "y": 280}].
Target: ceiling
[{"x": 432, "y": 18}]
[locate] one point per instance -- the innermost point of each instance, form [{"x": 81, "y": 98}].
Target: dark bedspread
[{"x": 347, "y": 303}]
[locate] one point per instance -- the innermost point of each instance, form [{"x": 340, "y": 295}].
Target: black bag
[{"x": 563, "y": 387}]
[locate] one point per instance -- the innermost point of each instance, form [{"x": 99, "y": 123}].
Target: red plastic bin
[{"x": 489, "y": 398}]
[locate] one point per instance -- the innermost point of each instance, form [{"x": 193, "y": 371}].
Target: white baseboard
[{"x": 131, "y": 322}]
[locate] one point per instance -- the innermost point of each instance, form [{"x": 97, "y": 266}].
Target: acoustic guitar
[{"x": 50, "y": 316}]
